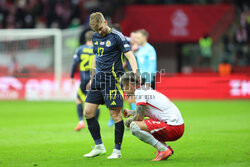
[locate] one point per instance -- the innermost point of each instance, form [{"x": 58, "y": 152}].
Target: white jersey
[{"x": 160, "y": 107}]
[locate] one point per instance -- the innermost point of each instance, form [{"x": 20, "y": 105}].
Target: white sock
[
  {"x": 117, "y": 151},
  {"x": 100, "y": 145},
  {"x": 146, "y": 137},
  {"x": 81, "y": 122},
  {"x": 160, "y": 147},
  {"x": 165, "y": 144}
]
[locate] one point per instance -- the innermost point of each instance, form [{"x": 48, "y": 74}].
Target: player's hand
[
  {"x": 135, "y": 47},
  {"x": 126, "y": 113},
  {"x": 88, "y": 86},
  {"x": 128, "y": 122},
  {"x": 72, "y": 81}
]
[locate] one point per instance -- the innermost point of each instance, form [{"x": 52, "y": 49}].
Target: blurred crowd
[
  {"x": 51, "y": 13},
  {"x": 236, "y": 46},
  {"x": 66, "y": 13}
]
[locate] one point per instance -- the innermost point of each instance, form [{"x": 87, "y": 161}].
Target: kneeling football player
[{"x": 165, "y": 122}]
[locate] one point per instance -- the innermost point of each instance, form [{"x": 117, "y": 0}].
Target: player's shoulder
[
  {"x": 96, "y": 36},
  {"x": 118, "y": 35},
  {"x": 149, "y": 46},
  {"x": 79, "y": 49}
]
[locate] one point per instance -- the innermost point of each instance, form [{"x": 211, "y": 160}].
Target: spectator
[
  {"x": 228, "y": 49},
  {"x": 206, "y": 43},
  {"x": 240, "y": 39}
]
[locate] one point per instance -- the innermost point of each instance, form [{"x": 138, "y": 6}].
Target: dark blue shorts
[{"x": 107, "y": 92}]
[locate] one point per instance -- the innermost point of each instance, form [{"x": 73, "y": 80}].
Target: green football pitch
[{"x": 217, "y": 133}]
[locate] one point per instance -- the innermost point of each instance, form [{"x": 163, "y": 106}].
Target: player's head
[
  {"x": 133, "y": 37},
  {"x": 117, "y": 27},
  {"x": 89, "y": 36},
  {"x": 98, "y": 23},
  {"x": 142, "y": 37},
  {"x": 130, "y": 82}
]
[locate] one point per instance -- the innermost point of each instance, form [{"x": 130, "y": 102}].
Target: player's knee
[
  {"x": 116, "y": 115},
  {"x": 88, "y": 114},
  {"x": 134, "y": 128}
]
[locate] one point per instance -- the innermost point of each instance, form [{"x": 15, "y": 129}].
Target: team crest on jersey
[
  {"x": 108, "y": 43},
  {"x": 96, "y": 43}
]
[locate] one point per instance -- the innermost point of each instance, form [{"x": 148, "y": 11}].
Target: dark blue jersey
[
  {"x": 109, "y": 52},
  {"x": 83, "y": 56}
]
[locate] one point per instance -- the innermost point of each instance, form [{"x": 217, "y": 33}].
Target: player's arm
[
  {"x": 139, "y": 115},
  {"x": 73, "y": 70},
  {"x": 131, "y": 58},
  {"x": 93, "y": 68},
  {"x": 92, "y": 73},
  {"x": 125, "y": 48}
]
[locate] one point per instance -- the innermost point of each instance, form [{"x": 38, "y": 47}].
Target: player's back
[
  {"x": 84, "y": 55},
  {"x": 160, "y": 107}
]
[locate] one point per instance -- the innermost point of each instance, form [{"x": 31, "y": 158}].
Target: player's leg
[
  {"x": 81, "y": 123},
  {"x": 80, "y": 99},
  {"x": 94, "y": 129},
  {"x": 113, "y": 96},
  {"x": 97, "y": 113},
  {"x": 94, "y": 98},
  {"x": 142, "y": 132},
  {"x": 116, "y": 115}
]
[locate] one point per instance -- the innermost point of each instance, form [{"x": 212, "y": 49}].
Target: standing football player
[
  {"x": 83, "y": 57},
  {"x": 109, "y": 48},
  {"x": 165, "y": 122}
]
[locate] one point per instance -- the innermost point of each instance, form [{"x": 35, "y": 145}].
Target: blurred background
[{"x": 203, "y": 45}]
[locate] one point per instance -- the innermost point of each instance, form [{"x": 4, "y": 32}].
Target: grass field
[{"x": 42, "y": 134}]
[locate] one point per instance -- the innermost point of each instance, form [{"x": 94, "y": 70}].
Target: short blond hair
[
  {"x": 95, "y": 20},
  {"x": 143, "y": 32}
]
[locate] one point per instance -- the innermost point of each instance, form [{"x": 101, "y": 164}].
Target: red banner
[
  {"x": 175, "y": 87},
  {"x": 205, "y": 87},
  {"x": 176, "y": 23},
  {"x": 12, "y": 88}
]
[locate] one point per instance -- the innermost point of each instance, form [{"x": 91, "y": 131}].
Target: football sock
[
  {"x": 146, "y": 137},
  {"x": 133, "y": 106},
  {"x": 94, "y": 130},
  {"x": 80, "y": 112},
  {"x": 97, "y": 114},
  {"x": 119, "y": 130},
  {"x": 165, "y": 144},
  {"x": 160, "y": 147}
]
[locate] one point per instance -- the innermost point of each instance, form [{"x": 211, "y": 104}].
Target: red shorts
[{"x": 164, "y": 132}]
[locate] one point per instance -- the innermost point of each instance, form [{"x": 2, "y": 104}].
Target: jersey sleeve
[
  {"x": 140, "y": 97},
  {"x": 76, "y": 60},
  {"x": 122, "y": 43}
]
